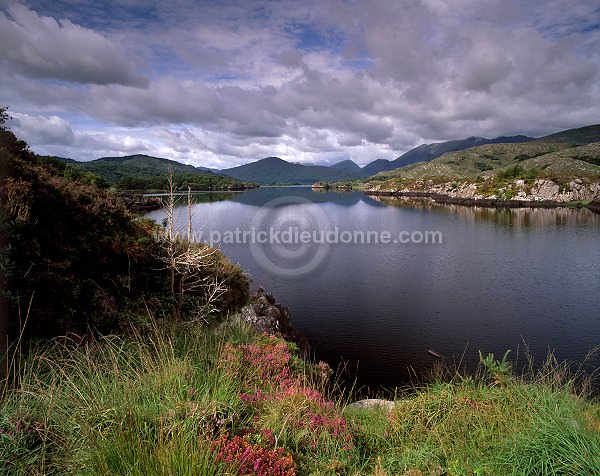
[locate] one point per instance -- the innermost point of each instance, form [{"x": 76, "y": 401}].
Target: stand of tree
[{"x": 181, "y": 182}]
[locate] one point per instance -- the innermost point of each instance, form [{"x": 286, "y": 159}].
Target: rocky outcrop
[
  {"x": 324, "y": 185},
  {"x": 574, "y": 191},
  {"x": 265, "y": 315},
  {"x": 479, "y": 202},
  {"x": 139, "y": 204},
  {"x": 540, "y": 193}
]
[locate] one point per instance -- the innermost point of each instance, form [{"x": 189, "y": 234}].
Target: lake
[{"x": 380, "y": 289}]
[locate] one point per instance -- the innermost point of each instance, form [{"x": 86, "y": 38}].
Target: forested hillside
[{"x": 75, "y": 260}]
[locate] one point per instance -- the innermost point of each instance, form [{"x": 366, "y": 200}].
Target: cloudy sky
[{"x": 221, "y": 83}]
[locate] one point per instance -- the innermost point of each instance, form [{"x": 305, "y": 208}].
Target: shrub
[
  {"x": 517, "y": 171},
  {"x": 279, "y": 397},
  {"x": 510, "y": 173},
  {"x": 483, "y": 166},
  {"x": 592, "y": 159},
  {"x": 74, "y": 258},
  {"x": 499, "y": 370}
]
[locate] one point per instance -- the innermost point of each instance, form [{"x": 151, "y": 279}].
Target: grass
[
  {"x": 116, "y": 406},
  {"x": 498, "y": 163},
  {"x": 579, "y": 203},
  {"x": 187, "y": 400}
]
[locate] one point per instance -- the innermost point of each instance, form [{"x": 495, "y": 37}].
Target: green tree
[{"x": 4, "y": 116}]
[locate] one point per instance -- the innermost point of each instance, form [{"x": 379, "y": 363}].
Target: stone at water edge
[
  {"x": 594, "y": 206},
  {"x": 369, "y": 403}
]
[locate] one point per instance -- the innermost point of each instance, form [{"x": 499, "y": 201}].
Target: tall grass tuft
[
  {"x": 492, "y": 423},
  {"x": 114, "y": 405},
  {"x": 185, "y": 400}
]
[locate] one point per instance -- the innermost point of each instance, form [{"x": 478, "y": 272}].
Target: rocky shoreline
[
  {"x": 266, "y": 315},
  {"x": 518, "y": 194},
  {"x": 139, "y": 203},
  {"x": 481, "y": 202}
]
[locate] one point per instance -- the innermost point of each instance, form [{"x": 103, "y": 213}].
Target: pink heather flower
[{"x": 253, "y": 459}]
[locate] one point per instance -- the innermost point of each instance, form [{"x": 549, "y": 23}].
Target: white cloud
[
  {"x": 316, "y": 82},
  {"x": 43, "y": 47},
  {"x": 38, "y": 130}
]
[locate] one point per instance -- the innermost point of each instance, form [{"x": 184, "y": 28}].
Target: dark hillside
[
  {"x": 143, "y": 172},
  {"x": 276, "y": 170},
  {"x": 75, "y": 258},
  {"x": 580, "y": 135}
]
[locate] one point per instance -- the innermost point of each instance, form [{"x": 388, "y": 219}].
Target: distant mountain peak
[
  {"x": 428, "y": 152},
  {"x": 346, "y": 165},
  {"x": 276, "y": 170}
]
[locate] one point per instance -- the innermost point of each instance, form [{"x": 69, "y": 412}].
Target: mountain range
[
  {"x": 272, "y": 170},
  {"x": 564, "y": 156},
  {"x": 275, "y": 170}
]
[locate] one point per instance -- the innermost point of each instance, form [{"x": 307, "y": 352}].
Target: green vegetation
[
  {"x": 483, "y": 166},
  {"x": 181, "y": 182},
  {"x": 141, "y": 166},
  {"x": 144, "y": 173},
  {"x": 74, "y": 260},
  {"x": 186, "y": 388},
  {"x": 193, "y": 400},
  {"x": 515, "y": 172},
  {"x": 592, "y": 159},
  {"x": 579, "y": 203}
]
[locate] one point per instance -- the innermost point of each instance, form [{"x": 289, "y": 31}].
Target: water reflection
[
  {"x": 263, "y": 195},
  {"x": 500, "y": 278},
  {"x": 504, "y": 217}
]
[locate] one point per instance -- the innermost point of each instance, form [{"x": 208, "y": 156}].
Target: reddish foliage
[
  {"x": 269, "y": 377},
  {"x": 250, "y": 458}
]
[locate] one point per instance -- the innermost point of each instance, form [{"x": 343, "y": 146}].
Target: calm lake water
[{"x": 500, "y": 279}]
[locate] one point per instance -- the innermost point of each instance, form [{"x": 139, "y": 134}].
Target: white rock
[{"x": 373, "y": 403}]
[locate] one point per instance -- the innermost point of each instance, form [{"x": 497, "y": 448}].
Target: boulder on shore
[{"x": 265, "y": 315}]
